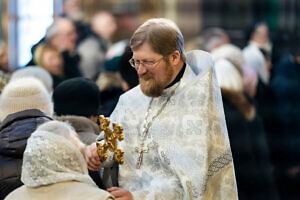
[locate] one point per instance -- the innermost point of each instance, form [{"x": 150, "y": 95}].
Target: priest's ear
[{"x": 175, "y": 57}]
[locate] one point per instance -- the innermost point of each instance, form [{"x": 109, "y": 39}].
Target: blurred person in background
[
  {"x": 213, "y": 38},
  {"x": 34, "y": 72},
  {"x": 258, "y": 34},
  {"x": 128, "y": 73},
  {"x": 49, "y": 58},
  {"x": 24, "y": 105},
  {"x": 93, "y": 48},
  {"x": 3, "y": 59},
  {"x": 250, "y": 78},
  {"x": 110, "y": 85},
  {"x": 62, "y": 35},
  {"x": 258, "y": 60},
  {"x": 194, "y": 44},
  {"x": 257, "y": 54},
  {"x": 72, "y": 9},
  {"x": 286, "y": 85},
  {"x": 54, "y": 167},
  {"x": 77, "y": 101},
  {"x": 246, "y": 134},
  {"x": 4, "y": 69},
  {"x": 114, "y": 83}
]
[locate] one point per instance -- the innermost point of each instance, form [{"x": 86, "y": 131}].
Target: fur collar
[
  {"x": 85, "y": 128},
  {"x": 80, "y": 124}
]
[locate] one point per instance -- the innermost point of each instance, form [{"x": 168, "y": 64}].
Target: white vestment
[{"x": 189, "y": 155}]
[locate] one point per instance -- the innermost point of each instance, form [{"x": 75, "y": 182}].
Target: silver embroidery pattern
[
  {"x": 166, "y": 159},
  {"x": 217, "y": 165},
  {"x": 141, "y": 149}
]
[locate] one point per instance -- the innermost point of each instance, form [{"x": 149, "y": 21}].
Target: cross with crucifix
[{"x": 141, "y": 152}]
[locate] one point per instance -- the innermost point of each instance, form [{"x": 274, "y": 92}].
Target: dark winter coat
[
  {"x": 15, "y": 129},
  {"x": 286, "y": 85},
  {"x": 241, "y": 148},
  {"x": 250, "y": 153},
  {"x": 266, "y": 108}
]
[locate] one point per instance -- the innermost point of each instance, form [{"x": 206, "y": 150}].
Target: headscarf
[{"x": 51, "y": 158}]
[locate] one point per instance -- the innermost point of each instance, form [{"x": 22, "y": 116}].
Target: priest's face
[{"x": 154, "y": 70}]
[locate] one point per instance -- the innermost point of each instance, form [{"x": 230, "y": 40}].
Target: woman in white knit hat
[
  {"x": 246, "y": 136},
  {"x": 54, "y": 167},
  {"x": 34, "y": 72},
  {"x": 24, "y": 105}
]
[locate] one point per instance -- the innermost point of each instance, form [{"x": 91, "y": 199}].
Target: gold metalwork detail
[{"x": 110, "y": 140}]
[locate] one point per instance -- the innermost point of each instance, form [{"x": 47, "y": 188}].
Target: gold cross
[
  {"x": 141, "y": 151},
  {"x": 110, "y": 140}
]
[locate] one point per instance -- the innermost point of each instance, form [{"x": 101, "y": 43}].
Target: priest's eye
[{"x": 148, "y": 63}]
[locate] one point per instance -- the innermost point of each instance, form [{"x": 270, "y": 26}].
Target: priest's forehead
[
  {"x": 161, "y": 34},
  {"x": 145, "y": 52}
]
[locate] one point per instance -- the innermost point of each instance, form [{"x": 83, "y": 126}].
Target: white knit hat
[
  {"x": 231, "y": 53},
  {"x": 23, "y": 94},
  {"x": 228, "y": 76},
  {"x": 35, "y": 72},
  {"x": 228, "y": 62}
]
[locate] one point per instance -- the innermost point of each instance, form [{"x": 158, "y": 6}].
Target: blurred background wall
[{"x": 23, "y": 22}]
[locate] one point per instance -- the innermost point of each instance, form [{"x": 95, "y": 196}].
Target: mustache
[{"x": 145, "y": 77}]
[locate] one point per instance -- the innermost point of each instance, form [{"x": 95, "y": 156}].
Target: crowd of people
[{"x": 218, "y": 122}]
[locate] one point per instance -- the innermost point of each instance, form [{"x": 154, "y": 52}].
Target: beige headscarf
[{"x": 52, "y": 158}]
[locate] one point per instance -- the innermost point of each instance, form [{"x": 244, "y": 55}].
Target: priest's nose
[{"x": 141, "y": 69}]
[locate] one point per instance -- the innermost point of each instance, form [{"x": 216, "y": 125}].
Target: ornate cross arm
[{"x": 110, "y": 140}]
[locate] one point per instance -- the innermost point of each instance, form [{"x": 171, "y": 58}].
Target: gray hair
[
  {"x": 213, "y": 37},
  {"x": 52, "y": 30}
]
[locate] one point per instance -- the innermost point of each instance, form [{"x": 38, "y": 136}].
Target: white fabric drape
[{"x": 189, "y": 155}]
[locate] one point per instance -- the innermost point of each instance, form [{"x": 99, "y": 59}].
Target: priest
[{"x": 175, "y": 138}]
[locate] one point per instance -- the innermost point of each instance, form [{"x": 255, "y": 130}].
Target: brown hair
[
  {"x": 161, "y": 34},
  {"x": 40, "y": 50}
]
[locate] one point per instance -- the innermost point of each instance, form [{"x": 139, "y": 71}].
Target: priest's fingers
[
  {"x": 92, "y": 167},
  {"x": 112, "y": 189},
  {"x": 92, "y": 158},
  {"x": 122, "y": 194}
]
